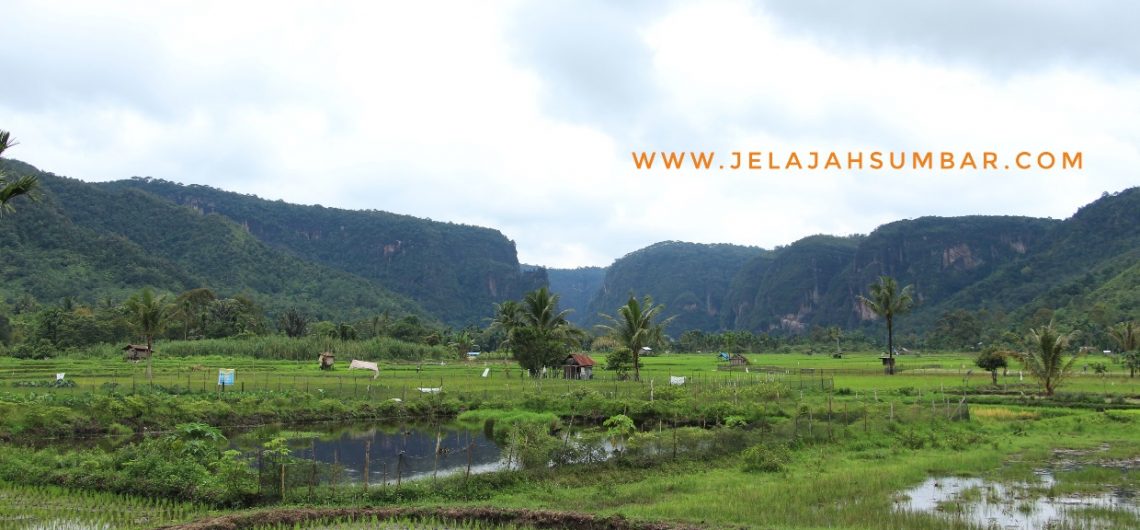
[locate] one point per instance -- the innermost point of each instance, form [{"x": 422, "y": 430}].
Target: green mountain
[
  {"x": 91, "y": 242},
  {"x": 795, "y": 283},
  {"x": 455, "y": 272},
  {"x": 692, "y": 280},
  {"x": 940, "y": 256},
  {"x": 575, "y": 288},
  {"x": 1088, "y": 262},
  {"x": 1085, "y": 269}
]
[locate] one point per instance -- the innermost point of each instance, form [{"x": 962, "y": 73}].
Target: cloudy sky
[{"x": 522, "y": 116}]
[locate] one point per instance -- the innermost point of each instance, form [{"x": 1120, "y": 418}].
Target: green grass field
[
  {"x": 841, "y": 471},
  {"x": 860, "y": 371}
]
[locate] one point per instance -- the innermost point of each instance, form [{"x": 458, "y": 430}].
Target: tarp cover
[{"x": 365, "y": 365}]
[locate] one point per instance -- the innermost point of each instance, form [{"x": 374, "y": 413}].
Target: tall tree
[
  {"x": 508, "y": 317},
  {"x": 293, "y": 322},
  {"x": 888, "y": 301},
  {"x": 1126, "y": 335},
  {"x": 634, "y": 328},
  {"x": 12, "y": 188},
  {"x": 147, "y": 314},
  {"x": 990, "y": 360},
  {"x": 190, "y": 308},
  {"x": 1044, "y": 357},
  {"x": 539, "y": 334},
  {"x": 462, "y": 343}
]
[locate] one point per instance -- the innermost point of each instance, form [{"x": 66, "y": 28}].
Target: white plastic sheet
[{"x": 365, "y": 365}]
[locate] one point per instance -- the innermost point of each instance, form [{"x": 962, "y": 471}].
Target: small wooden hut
[
  {"x": 888, "y": 365},
  {"x": 738, "y": 360},
  {"x": 326, "y": 360},
  {"x": 578, "y": 366},
  {"x": 137, "y": 352}
]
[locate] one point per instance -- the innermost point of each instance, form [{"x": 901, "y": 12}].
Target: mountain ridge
[{"x": 107, "y": 239}]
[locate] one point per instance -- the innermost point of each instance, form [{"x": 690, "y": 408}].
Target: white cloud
[{"x": 521, "y": 115}]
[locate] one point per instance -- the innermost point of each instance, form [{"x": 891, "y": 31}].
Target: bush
[{"x": 766, "y": 458}]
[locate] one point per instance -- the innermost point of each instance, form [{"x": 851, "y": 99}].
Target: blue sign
[{"x": 226, "y": 376}]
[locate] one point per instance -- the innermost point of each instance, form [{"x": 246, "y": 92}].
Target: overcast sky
[{"x": 521, "y": 116}]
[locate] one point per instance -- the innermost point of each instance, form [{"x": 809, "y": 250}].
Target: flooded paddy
[
  {"x": 385, "y": 454},
  {"x": 1043, "y": 502}
]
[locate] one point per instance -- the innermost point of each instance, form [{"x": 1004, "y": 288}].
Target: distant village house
[{"x": 578, "y": 366}]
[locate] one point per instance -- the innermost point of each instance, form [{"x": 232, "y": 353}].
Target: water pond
[
  {"x": 1022, "y": 505},
  {"x": 387, "y": 453}
]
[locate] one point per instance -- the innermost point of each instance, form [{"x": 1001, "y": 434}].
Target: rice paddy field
[
  {"x": 841, "y": 444},
  {"x": 861, "y": 371},
  {"x": 56, "y": 508}
]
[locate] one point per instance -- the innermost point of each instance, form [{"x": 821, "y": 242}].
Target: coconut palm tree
[
  {"x": 1044, "y": 357},
  {"x": 148, "y": 315},
  {"x": 538, "y": 333},
  {"x": 10, "y": 189},
  {"x": 1127, "y": 337},
  {"x": 634, "y": 328},
  {"x": 463, "y": 342},
  {"x": 888, "y": 302},
  {"x": 540, "y": 310}
]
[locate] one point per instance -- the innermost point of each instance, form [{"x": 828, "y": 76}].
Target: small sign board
[{"x": 226, "y": 376}]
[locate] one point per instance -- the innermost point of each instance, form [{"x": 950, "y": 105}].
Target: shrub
[{"x": 766, "y": 458}]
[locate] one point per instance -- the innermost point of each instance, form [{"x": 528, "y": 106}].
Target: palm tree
[
  {"x": 537, "y": 332},
  {"x": 11, "y": 189},
  {"x": 540, "y": 311},
  {"x": 148, "y": 315},
  {"x": 1127, "y": 337},
  {"x": 888, "y": 302},
  {"x": 1044, "y": 357},
  {"x": 634, "y": 329},
  {"x": 508, "y": 318},
  {"x": 463, "y": 343}
]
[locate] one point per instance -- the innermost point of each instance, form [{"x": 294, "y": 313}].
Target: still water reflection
[{"x": 390, "y": 453}]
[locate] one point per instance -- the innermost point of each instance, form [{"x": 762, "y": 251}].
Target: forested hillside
[
  {"x": 792, "y": 289},
  {"x": 456, "y": 272},
  {"x": 971, "y": 271},
  {"x": 692, "y": 280},
  {"x": 102, "y": 242},
  {"x": 92, "y": 243},
  {"x": 940, "y": 256},
  {"x": 576, "y": 288}
]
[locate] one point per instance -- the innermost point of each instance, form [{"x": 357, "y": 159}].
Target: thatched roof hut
[
  {"x": 326, "y": 360},
  {"x": 137, "y": 352}
]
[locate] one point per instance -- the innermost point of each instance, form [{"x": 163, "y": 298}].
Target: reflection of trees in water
[{"x": 418, "y": 445}]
